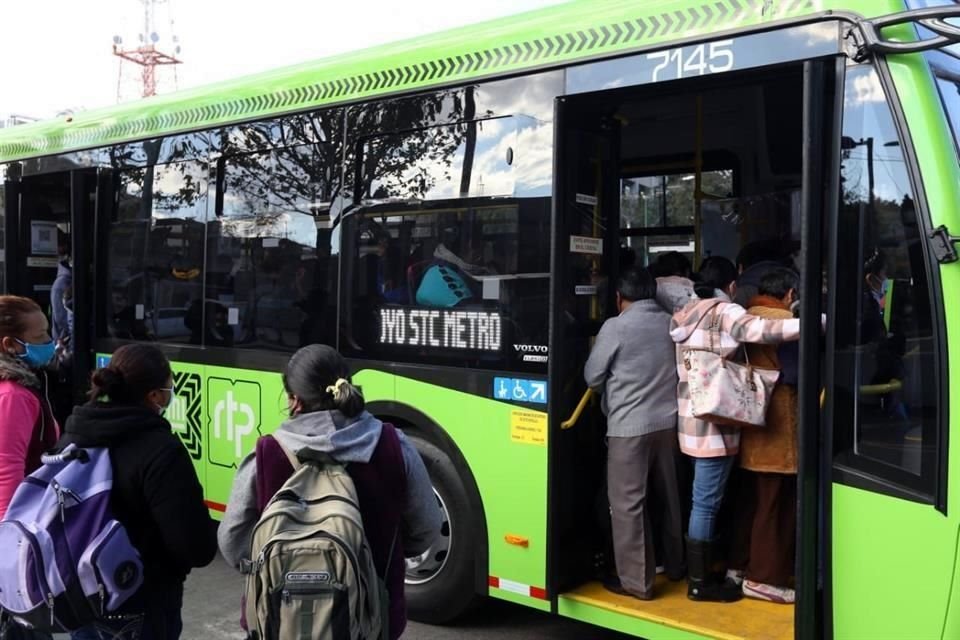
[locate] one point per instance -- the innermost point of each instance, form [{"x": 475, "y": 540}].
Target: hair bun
[{"x": 108, "y": 380}]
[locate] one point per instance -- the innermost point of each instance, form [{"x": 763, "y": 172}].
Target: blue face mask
[{"x": 37, "y": 356}]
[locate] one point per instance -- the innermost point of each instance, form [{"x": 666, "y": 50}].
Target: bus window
[
  {"x": 465, "y": 285},
  {"x": 657, "y": 212},
  {"x": 270, "y": 278},
  {"x": 886, "y": 381},
  {"x": 156, "y": 250},
  {"x": 448, "y": 260}
]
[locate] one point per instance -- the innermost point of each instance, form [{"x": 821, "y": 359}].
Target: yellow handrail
[
  {"x": 572, "y": 420},
  {"x": 881, "y": 389},
  {"x": 870, "y": 389}
]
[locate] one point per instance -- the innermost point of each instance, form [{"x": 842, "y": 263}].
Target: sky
[{"x": 58, "y": 53}]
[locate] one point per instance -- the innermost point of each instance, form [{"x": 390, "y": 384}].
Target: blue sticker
[
  {"x": 102, "y": 361},
  {"x": 520, "y": 390}
]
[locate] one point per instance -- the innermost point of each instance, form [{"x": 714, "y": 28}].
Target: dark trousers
[
  {"x": 635, "y": 466},
  {"x": 767, "y": 527},
  {"x": 161, "y": 618}
]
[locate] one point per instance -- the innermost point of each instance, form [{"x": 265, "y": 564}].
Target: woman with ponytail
[
  {"x": 327, "y": 416},
  {"x": 156, "y": 494}
]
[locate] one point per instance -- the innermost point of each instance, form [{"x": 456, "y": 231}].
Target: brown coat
[{"x": 771, "y": 449}]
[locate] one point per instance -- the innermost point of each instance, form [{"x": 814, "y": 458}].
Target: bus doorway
[
  {"x": 49, "y": 228},
  {"x": 660, "y": 178}
]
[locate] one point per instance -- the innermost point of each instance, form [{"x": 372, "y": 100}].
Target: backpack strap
[{"x": 273, "y": 466}]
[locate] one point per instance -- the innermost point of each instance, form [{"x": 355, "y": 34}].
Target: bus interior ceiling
[{"x": 744, "y": 136}]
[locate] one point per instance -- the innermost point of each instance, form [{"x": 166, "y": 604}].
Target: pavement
[{"x": 211, "y": 611}]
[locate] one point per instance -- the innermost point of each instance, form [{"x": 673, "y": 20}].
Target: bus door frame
[
  {"x": 823, "y": 93},
  {"x": 11, "y": 222}
]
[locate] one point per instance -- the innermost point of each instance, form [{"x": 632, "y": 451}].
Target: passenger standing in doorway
[
  {"x": 753, "y": 262},
  {"x": 60, "y": 326},
  {"x": 768, "y": 518},
  {"x": 674, "y": 285},
  {"x": 714, "y": 447},
  {"x": 632, "y": 365}
]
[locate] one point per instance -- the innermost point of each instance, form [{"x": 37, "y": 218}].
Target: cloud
[{"x": 865, "y": 88}]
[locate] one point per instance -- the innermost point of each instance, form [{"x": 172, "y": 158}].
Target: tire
[{"x": 441, "y": 585}]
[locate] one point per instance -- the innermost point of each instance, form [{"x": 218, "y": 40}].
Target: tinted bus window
[
  {"x": 448, "y": 262},
  {"x": 270, "y": 277},
  {"x": 886, "y": 379},
  {"x": 156, "y": 252}
]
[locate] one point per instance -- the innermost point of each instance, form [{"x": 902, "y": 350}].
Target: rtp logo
[{"x": 233, "y": 419}]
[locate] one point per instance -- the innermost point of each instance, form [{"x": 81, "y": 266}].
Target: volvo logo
[{"x": 532, "y": 352}]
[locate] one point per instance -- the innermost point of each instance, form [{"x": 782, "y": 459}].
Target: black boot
[{"x": 702, "y": 585}]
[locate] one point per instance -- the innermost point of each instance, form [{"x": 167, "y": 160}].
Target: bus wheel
[{"x": 440, "y": 583}]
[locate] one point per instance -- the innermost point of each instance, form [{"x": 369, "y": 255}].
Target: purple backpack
[{"x": 68, "y": 562}]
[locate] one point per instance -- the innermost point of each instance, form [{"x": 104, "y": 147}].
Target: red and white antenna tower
[{"x": 147, "y": 55}]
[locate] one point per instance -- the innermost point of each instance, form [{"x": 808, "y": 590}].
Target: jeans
[{"x": 709, "y": 482}]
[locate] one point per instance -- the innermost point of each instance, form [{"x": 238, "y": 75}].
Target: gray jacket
[
  {"x": 634, "y": 365},
  {"x": 347, "y": 440}
]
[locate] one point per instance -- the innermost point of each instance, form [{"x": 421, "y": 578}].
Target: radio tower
[{"x": 147, "y": 55}]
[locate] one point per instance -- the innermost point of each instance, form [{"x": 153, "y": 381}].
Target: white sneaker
[
  {"x": 768, "y": 592},
  {"x": 661, "y": 569},
  {"x": 735, "y": 575}
]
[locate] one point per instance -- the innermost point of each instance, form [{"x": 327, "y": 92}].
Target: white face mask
[{"x": 162, "y": 408}]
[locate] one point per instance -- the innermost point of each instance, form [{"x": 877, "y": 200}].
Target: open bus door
[
  {"x": 697, "y": 145},
  {"x": 49, "y": 232},
  {"x": 584, "y": 269}
]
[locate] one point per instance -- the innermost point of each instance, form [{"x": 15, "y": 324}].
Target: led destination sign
[{"x": 440, "y": 328}]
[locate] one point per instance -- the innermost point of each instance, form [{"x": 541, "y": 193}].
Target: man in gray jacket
[{"x": 633, "y": 365}]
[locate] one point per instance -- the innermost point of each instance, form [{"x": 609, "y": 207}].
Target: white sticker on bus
[{"x": 586, "y": 244}]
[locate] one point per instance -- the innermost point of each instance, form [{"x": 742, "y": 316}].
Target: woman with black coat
[{"x": 156, "y": 494}]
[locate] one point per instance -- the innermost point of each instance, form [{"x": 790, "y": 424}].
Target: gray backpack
[{"x": 311, "y": 575}]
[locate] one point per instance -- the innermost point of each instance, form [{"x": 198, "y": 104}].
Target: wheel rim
[{"x": 430, "y": 563}]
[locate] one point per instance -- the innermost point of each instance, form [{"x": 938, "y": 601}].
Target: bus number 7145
[{"x": 705, "y": 58}]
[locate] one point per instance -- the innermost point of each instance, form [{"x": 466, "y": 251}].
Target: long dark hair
[
  {"x": 317, "y": 375},
  {"x": 134, "y": 371},
  {"x": 716, "y": 272}
]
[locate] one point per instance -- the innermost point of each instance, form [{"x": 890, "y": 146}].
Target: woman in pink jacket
[
  {"x": 27, "y": 426},
  {"x": 714, "y": 447}
]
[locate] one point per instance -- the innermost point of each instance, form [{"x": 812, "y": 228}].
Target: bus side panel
[
  {"x": 505, "y": 449},
  {"x": 873, "y": 580},
  {"x": 239, "y": 406},
  {"x": 940, "y": 169}
]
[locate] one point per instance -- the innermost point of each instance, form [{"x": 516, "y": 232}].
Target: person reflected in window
[
  {"x": 391, "y": 276},
  {"x": 124, "y": 323},
  {"x": 450, "y": 246},
  {"x": 767, "y": 503},
  {"x": 214, "y": 330},
  {"x": 876, "y": 285}
]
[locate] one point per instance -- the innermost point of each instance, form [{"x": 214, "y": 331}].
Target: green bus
[{"x": 234, "y": 223}]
